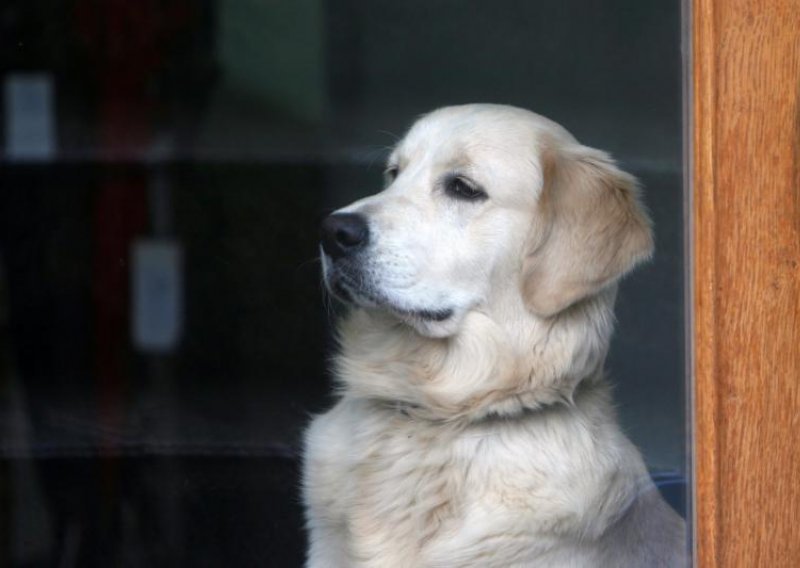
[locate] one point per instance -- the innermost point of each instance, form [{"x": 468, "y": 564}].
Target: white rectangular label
[
  {"x": 157, "y": 290},
  {"x": 29, "y": 116}
]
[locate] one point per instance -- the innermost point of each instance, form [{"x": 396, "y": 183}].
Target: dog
[{"x": 474, "y": 425}]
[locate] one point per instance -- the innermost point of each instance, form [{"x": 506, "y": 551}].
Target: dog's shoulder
[{"x": 650, "y": 533}]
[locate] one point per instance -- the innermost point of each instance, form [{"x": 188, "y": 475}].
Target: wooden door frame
[{"x": 744, "y": 169}]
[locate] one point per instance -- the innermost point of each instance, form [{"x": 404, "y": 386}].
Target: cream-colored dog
[{"x": 474, "y": 426}]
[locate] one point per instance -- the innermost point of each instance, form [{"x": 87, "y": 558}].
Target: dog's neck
[
  {"x": 589, "y": 388},
  {"x": 497, "y": 365}
]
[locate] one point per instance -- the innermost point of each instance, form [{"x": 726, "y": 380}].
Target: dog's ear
[{"x": 594, "y": 230}]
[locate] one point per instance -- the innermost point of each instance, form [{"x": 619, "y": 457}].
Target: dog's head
[{"x": 486, "y": 206}]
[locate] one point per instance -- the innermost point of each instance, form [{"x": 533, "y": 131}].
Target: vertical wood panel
[{"x": 746, "y": 281}]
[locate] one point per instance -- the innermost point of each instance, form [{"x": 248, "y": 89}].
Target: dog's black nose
[{"x": 344, "y": 233}]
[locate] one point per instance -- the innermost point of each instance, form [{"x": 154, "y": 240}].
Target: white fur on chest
[{"x": 393, "y": 491}]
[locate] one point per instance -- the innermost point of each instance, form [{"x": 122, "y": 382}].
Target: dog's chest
[
  {"x": 409, "y": 493},
  {"x": 405, "y": 487}
]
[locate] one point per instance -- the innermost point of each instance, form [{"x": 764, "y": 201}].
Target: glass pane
[{"x": 164, "y": 334}]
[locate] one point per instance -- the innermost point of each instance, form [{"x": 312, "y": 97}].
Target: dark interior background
[{"x": 226, "y": 129}]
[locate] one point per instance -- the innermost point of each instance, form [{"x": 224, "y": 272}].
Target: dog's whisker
[{"x": 310, "y": 262}]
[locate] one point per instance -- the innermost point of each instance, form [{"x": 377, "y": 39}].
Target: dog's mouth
[{"x": 360, "y": 294}]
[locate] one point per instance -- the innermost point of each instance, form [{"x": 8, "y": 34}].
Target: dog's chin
[
  {"x": 435, "y": 328},
  {"x": 431, "y": 322}
]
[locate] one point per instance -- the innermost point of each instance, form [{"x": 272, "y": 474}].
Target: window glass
[{"x": 164, "y": 165}]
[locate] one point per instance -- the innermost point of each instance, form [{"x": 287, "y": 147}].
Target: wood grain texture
[{"x": 746, "y": 281}]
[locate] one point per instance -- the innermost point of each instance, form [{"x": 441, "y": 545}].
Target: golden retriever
[{"x": 474, "y": 425}]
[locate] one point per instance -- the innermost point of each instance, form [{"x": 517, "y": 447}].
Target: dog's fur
[{"x": 475, "y": 427}]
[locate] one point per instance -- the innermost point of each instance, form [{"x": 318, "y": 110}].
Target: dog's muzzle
[{"x": 343, "y": 236}]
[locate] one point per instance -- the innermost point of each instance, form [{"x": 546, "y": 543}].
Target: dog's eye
[
  {"x": 391, "y": 173},
  {"x": 460, "y": 188}
]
